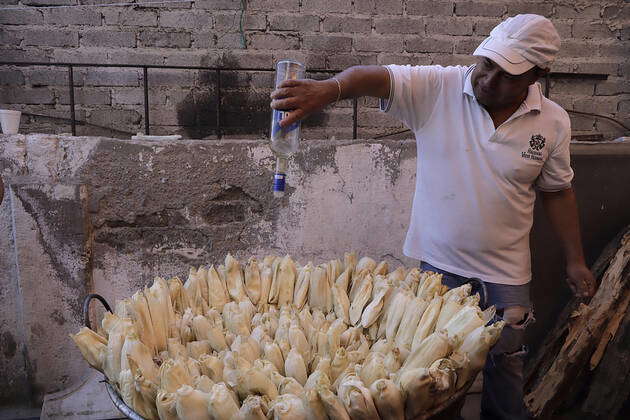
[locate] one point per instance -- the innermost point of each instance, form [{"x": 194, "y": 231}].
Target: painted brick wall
[{"x": 325, "y": 34}]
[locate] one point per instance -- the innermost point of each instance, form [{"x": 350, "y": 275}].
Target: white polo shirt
[{"x": 474, "y": 201}]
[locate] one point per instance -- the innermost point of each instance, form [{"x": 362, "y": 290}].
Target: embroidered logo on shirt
[{"x": 536, "y": 143}]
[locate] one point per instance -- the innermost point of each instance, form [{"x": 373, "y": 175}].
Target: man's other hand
[
  {"x": 302, "y": 98},
  {"x": 581, "y": 280}
]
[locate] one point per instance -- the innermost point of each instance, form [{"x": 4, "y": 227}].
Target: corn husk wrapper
[
  {"x": 283, "y": 282},
  {"x": 373, "y": 369},
  {"x": 333, "y": 406},
  {"x": 350, "y": 260},
  {"x": 427, "y": 323},
  {"x": 461, "y": 364},
  {"x": 161, "y": 309},
  {"x": 176, "y": 349},
  {"x": 350, "y": 335},
  {"x": 381, "y": 269},
  {"x": 254, "y": 381},
  {"x": 174, "y": 374},
  {"x": 429, "y": 286},
  {"x": 146, "y": 385},
  {"x": 372, "y": 312},
  {"x": 290, "y": 386},
  {"x": 415, "y": 385},
  {"x": 252, "y": 280},
  {"x": 334, "y": 336},
  {"x": 142, "y": 319},
  {"x": 298, "y": 340},
  {"x": 444, "y": 376},
  {"x": 266, "y": 278},
  {"x": 365, "y": 263},
  {"x": 464, "y": 322},
  {"x": 313, "y": 405},
  {"x": 316, "y": 379},
  {"x": 343, "y": 280},
  {"x": 221, "y": 403},
  {"x": 409, "y": 322},
  {"x": 186, "y": 331},
  {"x": 476, "y": 346},
  {"x": 218, "y": 294},
  {"x": 203, "y": 383},
  {"x": 287, "y": 407},
  {"x": 357, "y": 399},
  {"x": 395, "y": 313},
  {"x": 204, "y": 330},
  {"x": 388, "y": 400},
  {"x": 116, "y": 339},
  {"x": 392, "y": 361},
  {"x": 133, "y": 398},
  {"x": 300, "y": 294},
  {"x": 234, "y": 280},
  {"x": 196, "y": 349},
  {"x": 453, "y": 301},
  {"x": 273, "y": 353},
  {"x": 319, "y": 290},
  {"x": 212, "y": 367},
  {"x": 196, "y": 291},
  {"x": 361, "y": 298},
  {"x": 236, "y": 320},
  {"x": 233, "y": 366},
  {"x": 165, "y": 403},
  {"x": 382, "y": 346},
  {"x": 179, "y": 300},
  {"x": 341, "y": 303},
  {"x": 122, "y": 308},
  {"x": 140, "y": 353},
  {"x": 334, "y": 268},
  {"x": 254, "y": 408},
  {"x": 295, "y": 367},
  {"x": 246, "y": 347},
  {"x": 339, "y": 363},
  {"x": 412, "y": 280},
  {"x": 435, "y": 346}
]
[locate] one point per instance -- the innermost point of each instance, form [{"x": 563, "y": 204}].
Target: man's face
[{"x": 495, "y": 88}]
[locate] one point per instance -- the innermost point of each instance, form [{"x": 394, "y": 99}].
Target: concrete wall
[
  {"x": 324, "y": 34},
  {"x": 104, "y": 215}
]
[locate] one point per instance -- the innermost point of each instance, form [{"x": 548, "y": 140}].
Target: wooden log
[
  {"x": 582, "y": 336},
  {"x": 540, "y": 362},
  {"x": 610, "y": 386}
]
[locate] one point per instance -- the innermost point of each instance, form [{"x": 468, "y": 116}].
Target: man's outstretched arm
[
  {"x": 305, "y": 97},
  {"x": 561, "y": 209}
]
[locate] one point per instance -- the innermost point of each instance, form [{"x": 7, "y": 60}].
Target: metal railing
[{"x": 145, "y": 71}]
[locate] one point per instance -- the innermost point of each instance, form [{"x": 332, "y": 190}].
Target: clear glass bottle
[{"x": 284, "y": 141}]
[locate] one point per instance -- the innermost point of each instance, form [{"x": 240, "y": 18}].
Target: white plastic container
[{"x": 10, "y": 121}]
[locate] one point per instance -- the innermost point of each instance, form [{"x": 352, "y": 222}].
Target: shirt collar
[{"x": 533, "y": 102}]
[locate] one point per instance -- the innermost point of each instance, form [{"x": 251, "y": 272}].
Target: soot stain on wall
[{"x": 244, "y": 106}]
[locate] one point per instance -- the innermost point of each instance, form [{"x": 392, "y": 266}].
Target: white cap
[{"x": 521, "y": 42}]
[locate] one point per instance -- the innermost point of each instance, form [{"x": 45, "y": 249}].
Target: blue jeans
[{"x": 502, "y": 395}]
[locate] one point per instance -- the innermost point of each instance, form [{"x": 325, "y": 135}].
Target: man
[{"x": 487, "y": 138}]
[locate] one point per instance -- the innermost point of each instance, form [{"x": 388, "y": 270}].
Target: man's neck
[{"x": 502, "y": 113}]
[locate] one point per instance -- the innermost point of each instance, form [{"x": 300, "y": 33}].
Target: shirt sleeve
[
  {"x": 413, "y": 93},
  {"x": 556, "y": 174}
]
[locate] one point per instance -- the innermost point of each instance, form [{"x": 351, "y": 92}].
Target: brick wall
[{"x": 325, "y": 34}]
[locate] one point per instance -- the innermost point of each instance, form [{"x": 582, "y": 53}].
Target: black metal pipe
[
  {"x": 146, "y": 100},
  {"x": 218, "y": 97},
  {"x": 154, "y": 66},
  {"x": 547, "y": 78},
  {"x": 355, "y": 113},
  {"x": 73, "y": 120}
]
